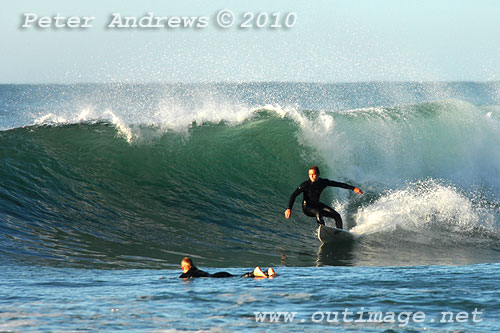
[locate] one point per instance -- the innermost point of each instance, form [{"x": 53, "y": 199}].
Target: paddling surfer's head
[
  {"x": 186, "y": 264},
  {"x": 313, "y": 173}
]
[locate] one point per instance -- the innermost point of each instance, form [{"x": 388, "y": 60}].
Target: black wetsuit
[
  {"x": 194, "y": 272},
  {"x": 311, "y": 204}
]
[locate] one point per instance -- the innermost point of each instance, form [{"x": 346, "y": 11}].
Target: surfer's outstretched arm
[{"x": 344, "y": 185}]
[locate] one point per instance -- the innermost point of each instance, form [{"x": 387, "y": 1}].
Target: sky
[{"x": 322, "y": 41}]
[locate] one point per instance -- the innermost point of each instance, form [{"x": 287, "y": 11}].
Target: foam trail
[{"x": 426, "y": 208}]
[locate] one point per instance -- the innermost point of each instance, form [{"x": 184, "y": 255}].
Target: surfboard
[{"x": 332, "y": 235}]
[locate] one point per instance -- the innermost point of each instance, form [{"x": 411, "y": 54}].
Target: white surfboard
[{"x": 332, "y": 235}]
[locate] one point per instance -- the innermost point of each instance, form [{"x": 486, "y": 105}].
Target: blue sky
[{"x": 332, "y": 41}]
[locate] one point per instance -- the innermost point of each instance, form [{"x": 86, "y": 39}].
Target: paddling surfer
[
  {"x": 189, "y": 270},
  {"x": 311, "y": 205}
]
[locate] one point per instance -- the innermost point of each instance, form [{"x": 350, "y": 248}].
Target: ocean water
[{"x": 104, "y": 188}]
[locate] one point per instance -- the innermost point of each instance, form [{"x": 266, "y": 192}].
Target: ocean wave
[{"x": 99, "y": 188}]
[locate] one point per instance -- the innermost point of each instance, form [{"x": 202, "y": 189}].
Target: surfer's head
[
  {"x": 186, "y": 264},
  {"x": 313, "y": 173}
]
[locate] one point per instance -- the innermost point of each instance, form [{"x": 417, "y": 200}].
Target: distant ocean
[{"x": 105, "y": 187}]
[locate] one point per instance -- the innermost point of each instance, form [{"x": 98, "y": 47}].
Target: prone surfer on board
[
  {"x": 189, "y": 270},
  {"x": 311, "y": 205}
]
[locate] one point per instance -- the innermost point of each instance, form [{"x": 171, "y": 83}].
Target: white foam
[
  {"x": 124, "y": 130},
  {"x": 172, "y": 115},
  {"x": 386, "y": 147},
  {"x": 423, "y": 206},
  {"x": 89, "y": 115},
  {"x": 50, "y": 118}
]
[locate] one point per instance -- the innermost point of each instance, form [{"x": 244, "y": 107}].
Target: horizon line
[{"x": 248, "y": 82}]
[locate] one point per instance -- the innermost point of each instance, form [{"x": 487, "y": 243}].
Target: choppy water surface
[{"x": 417, "y": 298}]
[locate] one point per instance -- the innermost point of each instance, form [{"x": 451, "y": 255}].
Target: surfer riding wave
[{"x": 311, "y": 206}]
